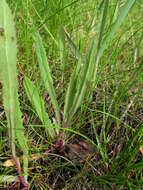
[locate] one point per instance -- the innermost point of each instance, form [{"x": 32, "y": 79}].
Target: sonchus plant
[
  {"x": 84, "y": 74},
  {"x": 8, "y": 72}
]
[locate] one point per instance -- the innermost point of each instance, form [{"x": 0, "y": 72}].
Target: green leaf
[
  {"x": 71, "y": 91},
  {"x": 8, "y": 60},
  {"x": 72, "y": 45},
  {"x": 62, "y": 48},
  {"x": 46, "y": 75},
  {"x": 103, "y": 23},
  {"x": 74, "y": 80},
  {"x": 38, "y": 103}
]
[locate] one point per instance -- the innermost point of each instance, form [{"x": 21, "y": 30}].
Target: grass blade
[
  {"x": 72, "y": 45},
  {"x": 103, "y": 23},
  {"x": 129, "y": 152},
  {"x": 124, "y": 11},
  {"x": 100, "y": 147}
]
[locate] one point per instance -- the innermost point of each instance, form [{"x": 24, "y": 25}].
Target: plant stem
[{"x": 16, "y": 160}]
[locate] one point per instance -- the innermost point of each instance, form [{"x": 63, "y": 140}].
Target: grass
[{"x": 104, "y": 109}]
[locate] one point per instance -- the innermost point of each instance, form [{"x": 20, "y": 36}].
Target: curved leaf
[{"x": 38, "y": 103}]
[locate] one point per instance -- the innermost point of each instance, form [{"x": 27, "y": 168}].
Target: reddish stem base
[
  {"x": 23, "y": 183},
  {"x": 58, "y": 145}
]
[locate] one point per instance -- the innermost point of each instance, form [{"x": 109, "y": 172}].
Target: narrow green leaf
[
  {"x": 38, "y": 103},
  {"x": 115, "y": 15},
  {"x": 72, "y": 46},
  {"x": 135, "y": 166},
  {"x": 103, "y": 23},
  {"x": 44, "y": 26},
  {"x": 62, "y": 48},
  {"x": 99, "y": 144},
  {"x": 75, "y": 80},
  {"x": 46, "y": 75},
  {"x": 71, "y": 91}
]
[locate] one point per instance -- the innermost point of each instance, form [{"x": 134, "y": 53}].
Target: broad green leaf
[
  {"x": 38, "y": 103},
  {"x": 8, "y": 60},
  {"x": 46, "y": 75}
]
